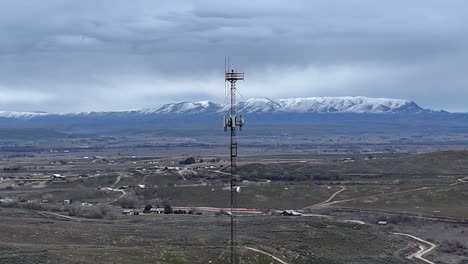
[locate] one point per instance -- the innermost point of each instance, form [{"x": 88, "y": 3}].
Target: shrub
[
  {"x": 129, "y": 201},
  {"x": 188, "y": 161},
  {"x": 97, "y": 212},
  {"x": 147, "y": 208},
  {"x": 168, "y": 209}
]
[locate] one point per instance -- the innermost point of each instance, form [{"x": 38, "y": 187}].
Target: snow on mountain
[
  {"x": 358, "y": 104},
  {"x": 184, "y": 108},
  {"x": 23, "y": 115},
  {"x": 349, "y": 104},
  {"x": 255, "y": 105}
]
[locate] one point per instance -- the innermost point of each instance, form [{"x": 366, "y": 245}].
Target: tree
[
  {"x": 129, "y": 201},
  {"x": 168, "y": 209},
  {"x": 188, "y": 161},
  {"x": 147, "y": 208}
]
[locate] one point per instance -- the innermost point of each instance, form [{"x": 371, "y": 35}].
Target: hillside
[{"x": 428, "y": 165}]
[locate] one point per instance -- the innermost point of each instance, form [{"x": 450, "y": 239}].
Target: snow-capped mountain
[
  {"x": 12, "y": 114},
  {"x": 358, "y": 104},
  {"x": 184, "y": 108},
  {"x": 325, "y": 114}
]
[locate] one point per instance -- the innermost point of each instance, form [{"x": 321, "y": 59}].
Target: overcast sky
[{"x": 63, "y": 56}]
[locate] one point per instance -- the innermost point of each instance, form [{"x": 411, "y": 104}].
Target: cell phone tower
[{"x": 231, "y": 123}]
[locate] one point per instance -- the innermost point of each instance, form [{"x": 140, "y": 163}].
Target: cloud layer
[{"x": 63, "y": 55}]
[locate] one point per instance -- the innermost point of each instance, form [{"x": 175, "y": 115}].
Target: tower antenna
[{"x": 232, "y": 122}]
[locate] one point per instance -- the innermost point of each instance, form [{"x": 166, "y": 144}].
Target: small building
[
  {"x": 6, "y": 200},
  {"x": 130, "y": 212},
  {"x": 142, "y": 186},
  {"x": 156, "y": 210},
  {"x": 382, "y": 223}
]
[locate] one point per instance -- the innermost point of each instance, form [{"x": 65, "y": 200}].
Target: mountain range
[
  {"x": 300, "y": 116},
  {"x": 358, "y": 105}
]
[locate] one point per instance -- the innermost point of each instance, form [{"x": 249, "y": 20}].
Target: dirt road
[
  {"x": 324, "y": 204},
  {"x": 342, "y": 189},
  {"x": 118, "y": 198},
  {"x": 64, "y": 216},
  {"x": 267, "y": 254},
  {"x": 424, "y": 248},
  {"x": 117, "y": 180}
]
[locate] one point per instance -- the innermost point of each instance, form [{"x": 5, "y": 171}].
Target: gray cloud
[{"x": 102, "y": 55}]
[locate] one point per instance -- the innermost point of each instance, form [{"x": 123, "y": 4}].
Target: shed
[{"x": 128, "y": 212}]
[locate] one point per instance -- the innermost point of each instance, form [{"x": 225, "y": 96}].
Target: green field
[
  {"x": 252, "y": 196},
  {"x": 444, "y": 201}
]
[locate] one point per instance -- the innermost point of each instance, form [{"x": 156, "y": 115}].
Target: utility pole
[{"x": 232, "y": 122}]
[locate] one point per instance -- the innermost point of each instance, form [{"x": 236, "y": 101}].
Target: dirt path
[
  {"x": 463, "y": 180},
  {"x": 424, "y": 248},
  {"x": 342, "y": 189},
  {"x": 459, "y": 181},
  {"x": 64, "y": 216},
  {"x": 267, "y": 254},
  {"x": 118, "y": 198},
  {"x": 117, "y": 180},
  {"x": 324, "y": 204},
  {"x": 222, "y": 172}
]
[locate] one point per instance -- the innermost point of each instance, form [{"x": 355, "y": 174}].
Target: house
[
  {"x": 130, "y": 212},
  {"x": 6, "y": 200},
  {"x": 290, "y": 213},
  {"x": 155, "y": 210}
]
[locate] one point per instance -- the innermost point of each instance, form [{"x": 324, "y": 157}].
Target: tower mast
[{"x": 231, "y": 123}]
